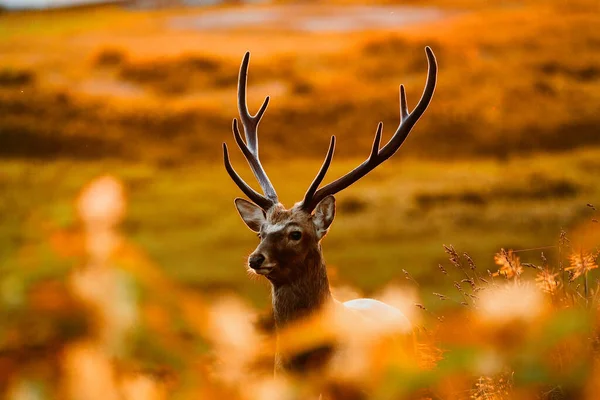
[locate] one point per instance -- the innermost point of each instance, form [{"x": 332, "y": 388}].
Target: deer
[{"x": 289, "y": 254}]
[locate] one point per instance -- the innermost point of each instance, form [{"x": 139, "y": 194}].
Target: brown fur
[{"x": 299, "y": 279}]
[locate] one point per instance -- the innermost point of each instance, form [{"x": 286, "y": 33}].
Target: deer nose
[{"x": 256, "y": 261}]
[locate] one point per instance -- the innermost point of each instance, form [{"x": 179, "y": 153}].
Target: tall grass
[{"x": 87, "y": 315}]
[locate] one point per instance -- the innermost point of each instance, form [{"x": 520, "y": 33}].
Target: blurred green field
[{"x": 397, "y": 218}]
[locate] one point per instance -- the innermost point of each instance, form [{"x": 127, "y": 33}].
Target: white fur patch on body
[
  {"x": 360, "y": 324},
  {"x": 377, "y": 313}
]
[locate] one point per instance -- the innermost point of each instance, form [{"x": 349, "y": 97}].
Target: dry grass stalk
[
  {"x": 581, "y": 264},
  {"x": 510, "y": 264}
]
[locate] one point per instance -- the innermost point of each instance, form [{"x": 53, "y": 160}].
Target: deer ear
[
  {"x": 253, "y": 215},
  {"x": 323, "y": 216}
]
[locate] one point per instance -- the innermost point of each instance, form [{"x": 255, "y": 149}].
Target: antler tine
[
  {"x": 319, "y": 178},
  {"x": 256, "y": 197},
  {"x": 403, "y": 106},
  {"x": 250, "y": 123},
  {"x": 255, "y": 165},
  {"x": 378, "y": 156}
]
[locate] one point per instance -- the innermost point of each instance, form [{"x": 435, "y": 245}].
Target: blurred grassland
[
  {"x": 507, "y": 156},
  {"x": 513, "y": 79},
  {"x": 397, "y": 219},
  {"x": 84, "y": 92}
]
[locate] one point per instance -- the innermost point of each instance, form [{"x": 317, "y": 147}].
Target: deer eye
[{"x": 296, "y": 235}]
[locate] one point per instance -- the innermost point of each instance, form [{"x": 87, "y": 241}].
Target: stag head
[{"x": 289, "y": 246}]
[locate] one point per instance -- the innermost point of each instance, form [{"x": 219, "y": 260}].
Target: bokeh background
[{"x": 142, "y": 93}]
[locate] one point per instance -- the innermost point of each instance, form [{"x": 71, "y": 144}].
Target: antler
[
  {"x": 250, "y": 147},
  {"x": 377, "y": 156}
]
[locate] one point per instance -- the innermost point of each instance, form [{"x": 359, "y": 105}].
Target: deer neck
[{"x": 302, "y": 297}]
